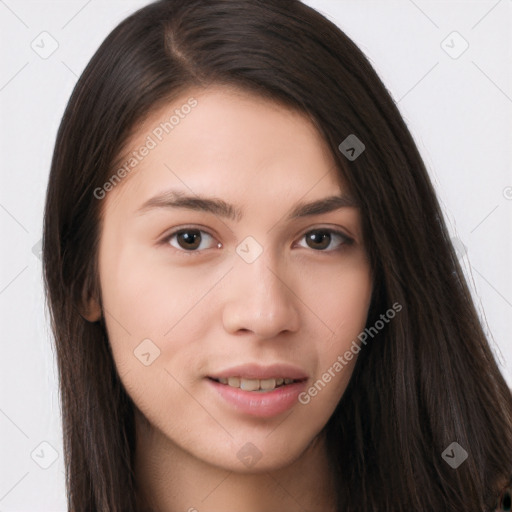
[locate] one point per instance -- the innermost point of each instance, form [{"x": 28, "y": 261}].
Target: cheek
[
  {"x": 148, "y": 297},
  {"x": 142, "y": 301},
  {"x": 341, "y": 295},
  {"x": 343, "y": 307},
  {"x": 152, "y": 310}
]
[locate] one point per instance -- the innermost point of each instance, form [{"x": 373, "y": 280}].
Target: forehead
[{"x": 225, "y": 140}]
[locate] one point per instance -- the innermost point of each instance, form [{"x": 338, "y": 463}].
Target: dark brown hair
[{"x": 426, "y": 380}]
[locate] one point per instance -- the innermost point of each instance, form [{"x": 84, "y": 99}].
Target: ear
[
  {"x": 91, "y": 310},
  {"x": 90, "y": 304}
]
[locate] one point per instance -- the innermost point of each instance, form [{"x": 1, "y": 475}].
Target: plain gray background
[{"x": 446, "y": 64}]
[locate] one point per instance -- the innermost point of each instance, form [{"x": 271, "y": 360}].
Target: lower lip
[{"x": 263, "y": 405}]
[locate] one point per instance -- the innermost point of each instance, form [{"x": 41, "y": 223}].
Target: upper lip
[{"x": 256, "y": 371}]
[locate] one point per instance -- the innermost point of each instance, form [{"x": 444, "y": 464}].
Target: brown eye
[
  {"x": 189, "y": 239},
  {"x": 321, "y": 239}
]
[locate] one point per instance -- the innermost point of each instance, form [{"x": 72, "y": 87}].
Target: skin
[{"x": 212, "y": 310}]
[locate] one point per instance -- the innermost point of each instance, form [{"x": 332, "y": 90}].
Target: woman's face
[{"x": 216, "y": 274}]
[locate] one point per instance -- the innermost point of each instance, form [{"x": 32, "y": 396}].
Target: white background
[{"x": 459, "y": 111}]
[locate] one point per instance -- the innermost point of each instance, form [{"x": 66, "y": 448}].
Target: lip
[
  {"x": 256, "y": 371},
  {"x": 257, "y": 404}
]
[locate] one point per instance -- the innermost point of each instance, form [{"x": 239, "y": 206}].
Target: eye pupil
[
  {"x": 319, "y": 237},
  {"x": 192, "y": 238}
]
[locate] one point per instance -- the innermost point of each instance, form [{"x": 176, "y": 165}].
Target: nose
[{"x": 260, "y": 300}]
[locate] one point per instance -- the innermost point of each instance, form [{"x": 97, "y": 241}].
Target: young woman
[{"x": 255, "y": 301}]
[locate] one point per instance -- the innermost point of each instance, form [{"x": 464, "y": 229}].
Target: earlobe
[
  {"x": 90, "y": 304},
  {"x": 91, "y": 311}
]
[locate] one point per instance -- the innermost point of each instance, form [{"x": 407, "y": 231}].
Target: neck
[{"x": 172, "y": 480}]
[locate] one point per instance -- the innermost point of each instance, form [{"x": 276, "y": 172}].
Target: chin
[{"x": 259, "y": 455}]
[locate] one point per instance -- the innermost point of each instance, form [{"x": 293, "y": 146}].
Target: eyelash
[{"x": 345, "y": 240}]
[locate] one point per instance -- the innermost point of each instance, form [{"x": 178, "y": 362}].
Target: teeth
[
  {"x": 254, "y": 384},
  {"x": 234, "y": 382},
  {"x": 267, "y": 384},
  {"x": 249, "y": 384}
]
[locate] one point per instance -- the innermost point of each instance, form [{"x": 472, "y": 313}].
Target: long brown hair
[{"x": 426, "y": 380}]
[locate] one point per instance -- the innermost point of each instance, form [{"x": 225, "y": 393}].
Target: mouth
[
  {"x": 256, "y": 385},
  {"x": 258, "y": 391}
]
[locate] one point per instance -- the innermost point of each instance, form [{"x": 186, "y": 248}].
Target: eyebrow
[{"x": 219, "y": 207}]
